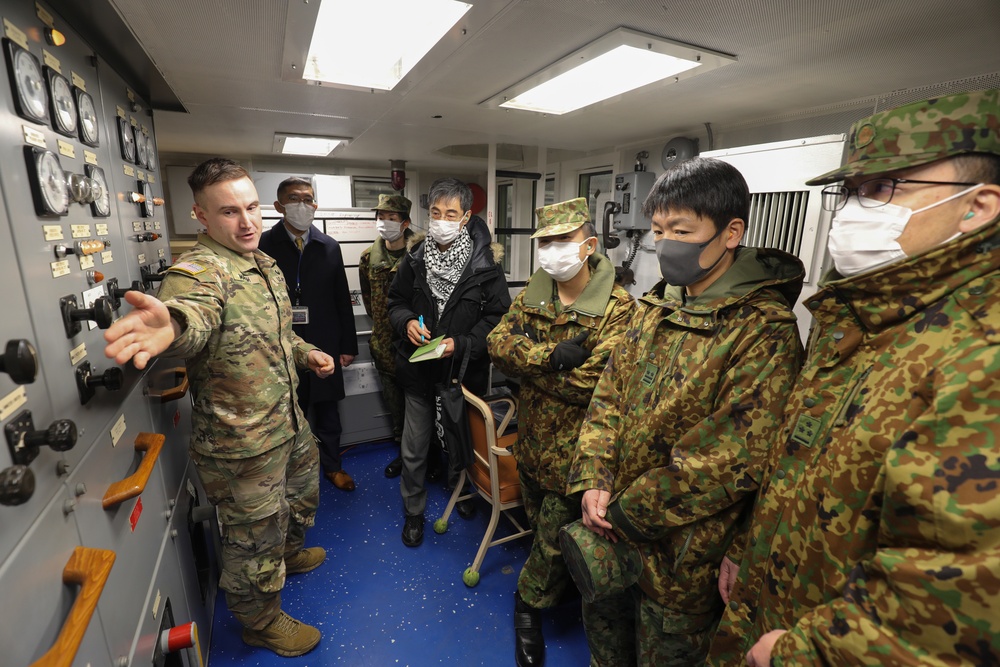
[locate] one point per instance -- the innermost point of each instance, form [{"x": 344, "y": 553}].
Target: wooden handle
[
  {"x": 134, "y": 484},
  {"x": 90, "y": 569},
  {"x": 172, "y": 393}
]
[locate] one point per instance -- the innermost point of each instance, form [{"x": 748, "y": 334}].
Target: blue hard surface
[{"x": 380, "y": 603}]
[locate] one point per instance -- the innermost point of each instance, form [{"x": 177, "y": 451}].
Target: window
[{"x": 365, "y": 191}]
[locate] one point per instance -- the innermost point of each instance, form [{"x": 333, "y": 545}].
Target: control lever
[
  {"x": 101, "y": 313},
  {"x": 81, "y": 248},
  {"x": 116, "y": 293},
  {"x": 610, "y": 241},
  {"x": 24, "y": 441},
  {"x": 17, "y": 483},
  {"x": 149, "y": 277},
  {"x": 147, "y": 236},
  {"x": 87, "y": 382},
  {"x": 20, "y": 361}
]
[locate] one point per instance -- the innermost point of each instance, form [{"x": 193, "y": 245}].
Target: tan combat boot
[
  {"x": 285, "y": 636},
  {"x": 304, "y": 560}
]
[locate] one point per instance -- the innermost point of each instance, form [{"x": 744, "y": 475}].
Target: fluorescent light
[
  {"x": 621, "y": 61},
  {"x": 297, "y": 144},
  {"x": 375, "y": 43}
]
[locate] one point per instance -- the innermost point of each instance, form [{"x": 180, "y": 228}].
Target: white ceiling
[{"x": 224, "y": 60}]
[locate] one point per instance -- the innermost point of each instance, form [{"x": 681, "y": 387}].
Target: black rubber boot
[{"x": 529, "y": 645}]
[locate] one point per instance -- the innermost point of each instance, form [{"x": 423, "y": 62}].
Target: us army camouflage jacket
[
  {"x": 242, "y": 353},
  {"x": 376, "y": 269},
  {"x": 876, "y": 539},
  {"x": 552, "y": 403},
  {"x": 682, "y": 420}
]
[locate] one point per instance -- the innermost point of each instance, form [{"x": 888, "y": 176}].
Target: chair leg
[
  {"x": 487, "y": 538},
  {"x": 456, "y": 492}
]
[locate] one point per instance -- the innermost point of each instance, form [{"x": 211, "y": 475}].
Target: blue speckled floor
[{"x": 380, "y": 603}]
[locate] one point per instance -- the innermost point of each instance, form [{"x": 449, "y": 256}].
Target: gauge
[
  {"x": 126, "y": 140},
  {"x": 150, "y": 152},
  {"x": 63, "y": 105},
  {"x": 30, "y": 98},
  {"x": 101, "y": 206},
  {"x": 146, "y": 205},
  {"x": 140, "y": 148},
  {"x": 79, "y": 186},
  {"x": 90, "y": 132},
  {"x": 48, "y": 181}
]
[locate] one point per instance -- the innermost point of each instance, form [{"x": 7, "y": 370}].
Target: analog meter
[
  {"x": 100, "y": 207},
  {"x": 141, "y": 156},
  {"x": 48, "y": 181},
  {"x": 30, "y": 98},
  {"x": 90, "y": 132},
  {"x": 126, "y": 140},
  {"x": 63, "y": 106}
]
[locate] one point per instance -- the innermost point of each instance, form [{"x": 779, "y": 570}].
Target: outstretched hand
[{"x": 146, "y": 331}]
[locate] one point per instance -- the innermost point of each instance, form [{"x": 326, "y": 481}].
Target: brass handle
[
  {"x": 134, "y": 484},
  {"x": 89, "y": 568},
  {"x": 172, "y": 393}
]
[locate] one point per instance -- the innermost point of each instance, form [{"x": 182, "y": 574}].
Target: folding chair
[{"x": 493, "y": 474}]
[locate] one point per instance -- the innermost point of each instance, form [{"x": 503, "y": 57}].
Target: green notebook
[{"x": 432, "y": 350}]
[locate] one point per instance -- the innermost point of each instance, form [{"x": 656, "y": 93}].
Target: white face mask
[
  {"x": 561, "y": 260},
  {"x": 299, "y": 215},
  {"x": 862, "y": 239},
  {"x": 390, "y": 230},
  {"x": 444, "y": 231}
]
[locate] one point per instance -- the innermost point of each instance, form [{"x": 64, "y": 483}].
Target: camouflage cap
[
  {"x": 919, "y": 133},
  {"x": 395, "y": 203},
  {"x": 561, "y": 218},
  {"x": 599, "y": 567}
]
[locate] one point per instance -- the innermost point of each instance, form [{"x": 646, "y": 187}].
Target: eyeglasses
[
  {"x": 295, "y": 199},
  {"x": 871, "y": 194}
]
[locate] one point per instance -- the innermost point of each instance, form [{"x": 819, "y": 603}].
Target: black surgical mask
[{"x": 679, "y": 260}]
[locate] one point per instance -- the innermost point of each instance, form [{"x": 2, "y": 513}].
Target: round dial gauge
[
  {"x": 101, "y": 206},
  {"x": 140, "y": 147},
  {"x": 127, "y": 140},
  {"x": 150, "y": 152},
  {"x": 63, "y": 104},
  {"x": 90, "y": 132},
  {"x": 146, "y": 205},
  {"x": 31, "y": 94},
  {"x": 52, "y": 181}
]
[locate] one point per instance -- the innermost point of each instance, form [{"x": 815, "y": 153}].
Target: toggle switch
[
  {"x": 101, "y": 313},
  {"x": 81, "y": 248},
  {"x": 20, "y": 361},
  {"x": 24, "y": 441},
  {"x": 116, "y": 293},
  {"x": 87, "y": 382},
  {"x": 17, "y": 483}
]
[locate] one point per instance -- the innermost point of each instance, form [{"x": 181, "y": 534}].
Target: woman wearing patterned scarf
[{"x": 452, "y": 285}]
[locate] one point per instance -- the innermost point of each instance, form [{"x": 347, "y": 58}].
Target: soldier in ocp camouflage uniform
[
  {"x": 676, "y": 436},
  {"x": 376, "y": 269},
  {"x": 225, "y": 309},
  {"x": 876, "y": 538},
  {"x": 556, "y": 338}
]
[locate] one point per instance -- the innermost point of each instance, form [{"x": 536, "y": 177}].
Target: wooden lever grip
[
  {"x": 89, "y": 568},
  {"x": 175, "y": 392},
  {"x": 134, "y": 484}
]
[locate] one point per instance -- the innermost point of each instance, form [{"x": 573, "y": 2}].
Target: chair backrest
[{"x": 492, "y": 471}]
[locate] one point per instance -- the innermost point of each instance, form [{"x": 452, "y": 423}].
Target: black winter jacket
[{"x": 479, "y": 301}]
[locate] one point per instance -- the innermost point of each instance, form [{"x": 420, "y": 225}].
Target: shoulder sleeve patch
[{"x": 188, "y": 268}]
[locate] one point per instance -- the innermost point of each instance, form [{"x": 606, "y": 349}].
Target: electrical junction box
[{"x": 631, "y": 189}]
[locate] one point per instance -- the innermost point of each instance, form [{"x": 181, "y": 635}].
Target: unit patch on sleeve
[{"x": 190, "y": 268}]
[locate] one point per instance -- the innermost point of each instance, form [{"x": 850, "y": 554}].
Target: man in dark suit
[{"x": 317, "y": 285}]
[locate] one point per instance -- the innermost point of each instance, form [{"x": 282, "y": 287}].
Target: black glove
[{"x": 569, "y": 354}]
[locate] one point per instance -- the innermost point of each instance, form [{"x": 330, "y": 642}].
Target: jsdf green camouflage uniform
[
  {"x": 376, "y": 269},
  {"x": 252, "y": 446},
  {"x": 876, "y": 538},
  {"x": 552, "y": 405},
  {"x": 678, "y": 432}
]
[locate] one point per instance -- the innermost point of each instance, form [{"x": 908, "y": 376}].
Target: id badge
[{"x": 300, "y": 314}]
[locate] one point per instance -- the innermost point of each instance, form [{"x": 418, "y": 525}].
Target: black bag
[{"x": 451, "y": 420}]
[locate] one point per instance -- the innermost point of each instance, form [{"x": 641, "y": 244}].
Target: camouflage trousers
[
  {"x": 265, "y": 504},
  {"x": 544, "y": 578},
  {"x": 392, "y": 396},
  {"x": 632, "y": 629}
]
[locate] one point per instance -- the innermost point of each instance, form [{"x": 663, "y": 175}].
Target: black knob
[
  {"x": 60, "y": 436},
  {"x": 119, "y": 292},
  {"x": 20, "y": 361},
  {"x": 101, "y": 313},
  {"x": 147, "y": 236},
  {"x": 110, "y": 379},
  {"x": 151, "y": 278},
  {"x": 17, "y": 483}
]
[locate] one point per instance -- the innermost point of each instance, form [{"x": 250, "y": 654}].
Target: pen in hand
[{"x": 421, "y": 323}]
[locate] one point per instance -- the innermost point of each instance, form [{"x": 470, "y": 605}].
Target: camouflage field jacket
[
  {"x": 876, "y": 539},
  {"x": 240, "y": 349},
  {"x": 682, "y": 420},
  {"x": 376, "y": 269},
  {"x": 551, "y": 404}
]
